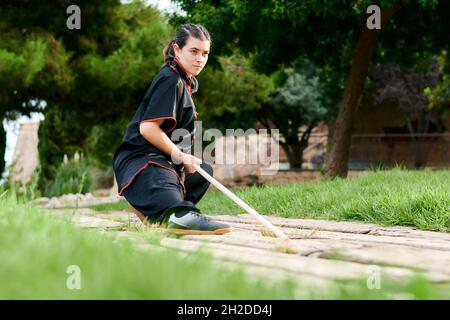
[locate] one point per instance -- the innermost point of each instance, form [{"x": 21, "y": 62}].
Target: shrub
[
  {"x": 103, "y": 141},
  {"x": 103, "y": 178},
  {"x": 72, "y": 176}
]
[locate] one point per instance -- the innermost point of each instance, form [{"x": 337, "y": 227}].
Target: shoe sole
[{"x": 204, "y": 232}]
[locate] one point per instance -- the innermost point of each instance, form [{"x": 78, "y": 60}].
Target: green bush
[
  {"x": 58, "y": 135},
  {"x": 71, "y": 177},
  {"x": 102, "y": 178},
  {"x": 103, "y": 141},
  {"x": 23, "y": 192}
]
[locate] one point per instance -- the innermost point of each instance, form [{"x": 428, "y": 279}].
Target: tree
[
  {"x": 439, "y": 96},
  {"x": 405, "y": 88},
  {"x": 299, "y": 102},
  {"x": 98, "y": 74},
  {"x": 279, "y": 32},
  {"x": 235, "y": 96},
  {"x": 231, "y": 95}
]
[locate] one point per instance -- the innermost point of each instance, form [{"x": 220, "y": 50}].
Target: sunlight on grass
[
  {"x": 37, "y": 248},
  {"x": 411, "y": 198},
  {"x": 419, "y": 199}
]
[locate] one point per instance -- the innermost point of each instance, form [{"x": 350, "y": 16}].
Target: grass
[
  {"x": 419, "y": 199},
  {"x": 397, "y": 197},
  {"x": 37, "y": 251},
  {"x": 114, "y": 206}
]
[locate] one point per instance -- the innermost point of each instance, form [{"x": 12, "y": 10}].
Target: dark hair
[{"x": 186, "y": 30}]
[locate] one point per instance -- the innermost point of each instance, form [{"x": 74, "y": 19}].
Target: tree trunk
[
  {"x": 421, "y": 157},
  {"x": 337, "y": 162},
  {"x": 294, "y": 152},
  {"x": 294, "y": 148}
]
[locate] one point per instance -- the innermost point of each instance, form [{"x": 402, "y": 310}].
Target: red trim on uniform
[
  {"x": 168, "y": 118},
  {"x": 145, "y": 166},
  {"x": 187, "y": 84},
  {"x": 186, "y": 73},
  {"x": 131, "y": 180},
  {"x": 174, "y": 69},
  {"x": 181, "y": 66}
]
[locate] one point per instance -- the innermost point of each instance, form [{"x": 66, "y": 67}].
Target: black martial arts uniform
[{"x": 147, "y": 177}]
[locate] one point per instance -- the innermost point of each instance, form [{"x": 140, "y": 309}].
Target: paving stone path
[{"x": 318, "y": 251}]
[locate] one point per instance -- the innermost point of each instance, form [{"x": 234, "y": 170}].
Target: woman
[{"x": 154, "y": 172}]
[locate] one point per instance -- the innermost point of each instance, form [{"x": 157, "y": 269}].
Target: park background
[{"x": 364, "y": 115}]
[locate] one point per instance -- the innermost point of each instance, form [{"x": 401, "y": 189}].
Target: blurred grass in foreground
[{"x": 36, "y": 250}]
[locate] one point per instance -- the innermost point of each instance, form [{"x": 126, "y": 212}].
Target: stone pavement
[{"x": 318, "y": 251}]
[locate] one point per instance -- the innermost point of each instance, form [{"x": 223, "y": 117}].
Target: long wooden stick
[{"x": 241, "y": 203}]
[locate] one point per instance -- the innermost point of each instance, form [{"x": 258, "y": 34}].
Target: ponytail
[{"x": 169, "y": 52}]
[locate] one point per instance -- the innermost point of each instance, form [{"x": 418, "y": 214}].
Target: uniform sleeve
[{"x": 163, "y": 104}]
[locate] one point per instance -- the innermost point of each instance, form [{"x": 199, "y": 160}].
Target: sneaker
[{"x": 194, "y": 222}]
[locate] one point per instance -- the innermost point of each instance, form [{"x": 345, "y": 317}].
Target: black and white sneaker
[{"x": 193, "y": 222}]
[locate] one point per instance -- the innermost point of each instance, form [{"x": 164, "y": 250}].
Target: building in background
[{"x": 26, "y": 157}]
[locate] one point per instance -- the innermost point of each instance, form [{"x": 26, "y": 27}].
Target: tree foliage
[
  {"x": 439, "y": 96},
  {"x": 299, "y": 102},
  {"x": 333, "y": 35},
  {"x": 231, "y": 97},
  {"x": 88, "y": 77},
  {"x": 405, "y": 88}
]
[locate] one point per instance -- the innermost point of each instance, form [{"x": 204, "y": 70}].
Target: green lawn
[
  {"x": 396, "y": 197},
  {"x": 36, "y": 250}
]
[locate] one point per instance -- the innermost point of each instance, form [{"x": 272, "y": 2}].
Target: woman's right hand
[{"x": 188, "y": 161}]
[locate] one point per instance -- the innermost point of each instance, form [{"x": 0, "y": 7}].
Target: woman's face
[{"x": 193, "y": 55}]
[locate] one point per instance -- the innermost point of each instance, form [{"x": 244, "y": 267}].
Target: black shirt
[{"x": 170, "y": 98}]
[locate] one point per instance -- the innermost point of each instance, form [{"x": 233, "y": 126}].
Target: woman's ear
[{"x": 176, "y": 49}]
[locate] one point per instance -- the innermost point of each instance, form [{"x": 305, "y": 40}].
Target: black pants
[{"x": 155, "y": 191}]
